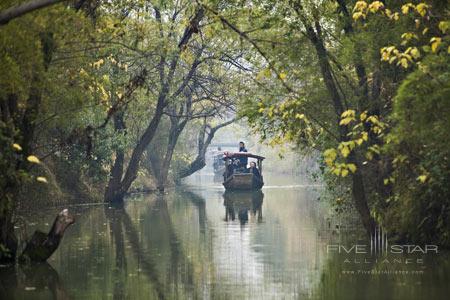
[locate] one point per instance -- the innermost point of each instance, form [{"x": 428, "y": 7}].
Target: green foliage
[
  {"x": 420, "y": 206},
  {"x": 394, "y": 132}
]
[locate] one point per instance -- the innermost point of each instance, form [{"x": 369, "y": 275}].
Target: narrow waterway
[{"x": 198, "y": 242}]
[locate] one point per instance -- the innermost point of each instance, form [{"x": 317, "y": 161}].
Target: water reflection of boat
[
  {"x": 243, "y": 202},
  {"x": 238, "y": 178}
]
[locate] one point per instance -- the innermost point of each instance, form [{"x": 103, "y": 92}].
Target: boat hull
[{"x": 243, "y": 182}]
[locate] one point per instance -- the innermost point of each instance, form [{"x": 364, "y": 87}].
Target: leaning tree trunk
[
  {"x": 204, "y": 140},
  {"x": 175, "y": 130},
  {"x": 41, "y": 245},
  {"x": 117, "y": 169},
  {"x": 118, "y": 191},
  {"x": 314, "y": 34}
]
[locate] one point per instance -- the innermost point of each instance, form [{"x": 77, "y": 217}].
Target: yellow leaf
[
  {"x": 337, "y": 171},
  {"x": 365, "y": 136},
  {"x": 345, "y": 151},
  {"x": 422, "y": 178},
  {"x": 348, "y": 113},
  {"x": 98, "y": 63},
  {"x": 17, "y": 147},
  {"x": 406, "y": 7},
  {"x": 300, "y": 116},
  {"x": 363, "y": 115},
  {"x": 360, "y": 5},
  {"x": 422, "y": 9},
  {"x": 83, "y": 72},
  {"x": 41, "y": 179},
  {"x": 283, "y": 76},
  {"x": 346, "y": 121},
  {"x": 351, "y": 167},
  {"x": 388, "y": 12},
  {"x": 358, "y": 15},
  {"x": 404, "y": 62},
  {"x": 415, "y": 53},
  {"x": 33, "y": 159},
  {"x": 386, "y": 181},
  {"x": 435, "y": 42},
  {"x": 344, "y": 173},
  {"x": 330, "y": 155},
  {"x": 409, "y": 35},
  {"x": 444, "y": 26},
  {"x": 375, "y": 6}
]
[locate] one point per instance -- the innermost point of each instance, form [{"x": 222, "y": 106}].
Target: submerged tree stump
[{"x": 41, "y": 245}]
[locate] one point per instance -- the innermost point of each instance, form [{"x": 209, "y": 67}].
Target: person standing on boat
[{"x": 243, "y": 160}]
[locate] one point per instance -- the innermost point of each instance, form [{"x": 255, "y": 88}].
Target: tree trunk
[
  {"x": 21, "y": 9},
  {"x": 174, "y": 133},
  {"x": 41, "y": 246},
  {"x": 117, "y": 191},
  {"x": 8, "y": 240},
  {"x": 358, "y": 190},
  {"x": 203, "y": 143},
  {"x": 117, "y": 169}
]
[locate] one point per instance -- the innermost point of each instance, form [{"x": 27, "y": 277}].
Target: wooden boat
[{"x": 241, "y": 179}]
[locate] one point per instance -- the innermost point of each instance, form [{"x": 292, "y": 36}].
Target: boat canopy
[{"x": 228, "y": 155}]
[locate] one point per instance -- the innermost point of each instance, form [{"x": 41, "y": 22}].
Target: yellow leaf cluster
[
  {"x": 422, "y": 9},
  {"x": 444, "y": 26},
  {"x": 407, "y": 7},
  {"x": 392, "y": 16},
  {"x": 404, "y": 59},
  {"x": 97, "y": 64},
  {"x": 330, "y": 156},
  {"x": 41, "y": 179},
  {"x": 347, "y": 117},
  {"x": 375, "y": 6},
  {"x": 422, "y": 178},
  {"x": 17, "y": 147},
  {"x": 435, "y": 42},
  {"x": 33, "y": 159}
]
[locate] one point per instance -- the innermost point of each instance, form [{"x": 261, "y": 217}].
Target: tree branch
[{"x": 21, "y": 9}]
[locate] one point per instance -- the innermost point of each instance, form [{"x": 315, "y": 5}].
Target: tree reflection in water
[
  {"x": 123, "y": 228},
  {"x": 31, "y": 282},
  {"x": 177, "y": 246}
]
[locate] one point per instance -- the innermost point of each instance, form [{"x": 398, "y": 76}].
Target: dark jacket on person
[
  {"x": 243, "y": 160},
  {"x": 255, "y": 171}
]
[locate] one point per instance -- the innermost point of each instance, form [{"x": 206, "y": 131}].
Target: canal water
[{"x": 198, "y": 242}]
